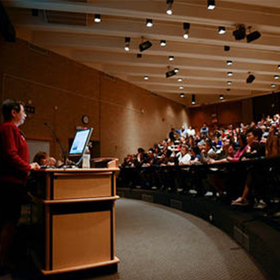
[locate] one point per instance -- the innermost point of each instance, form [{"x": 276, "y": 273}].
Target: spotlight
[
  {"x": 127, "y": 43},
  {"x": 182, "y": 95},
  {"x": 250, "y": 79},
  {"x": 221, "y": 97},
  {"x": 169, "y": 7},
  {"x": 146, "y": 77},
  {"x": 170, "y": 73},
  {"x": 176, "y": 70},
  {"x": 239, "y": 33},
  {"x": 229, "y": 74},
  {"x": 180, "y": 80},
  {"x": 171, "y": 57},
  {"x": 149, "y": 22},
  {"x": 186, "y": 26},
  {"x": 229, "y": 83},
  {"x": 193, "y": 99},
  {"x": 253, "y": 36},
  {"x": 222, "y": 30},
  {"x": 226, "y": 48},
  {"x": 162, "y": 43},
  {"x": 229, "y": 62},
  {"x": 97, "y": 18},
  {"x": 211, "y": 5},
  {"x": 139, "y": 55},
  {"x": 145, "y": 45},
  {"x": 273, "y": 85},
  {"x": 181, "y": 87},
  {"x": 276, "y": 77}
]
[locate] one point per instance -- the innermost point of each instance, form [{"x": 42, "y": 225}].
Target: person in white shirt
[{"x": 184, "y": 156}]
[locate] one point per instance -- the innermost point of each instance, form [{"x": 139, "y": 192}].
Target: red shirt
[{"x": 14, "y": 154}]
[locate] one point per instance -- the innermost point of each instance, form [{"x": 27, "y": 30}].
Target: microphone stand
[{"x": 58, "y": 142}]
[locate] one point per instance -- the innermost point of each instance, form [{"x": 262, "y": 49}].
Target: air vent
[{"x": 37, "y": 49}]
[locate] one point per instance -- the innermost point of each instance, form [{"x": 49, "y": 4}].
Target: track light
[
  {"x": 97, "y": 18},
  {"x": 253, "y": 36},
  {"x": 230, "y": 74},
  {"x": 186, "y": 26},
  {"x": 170, "y": 73},
  {"x": 240, "y": 32},
  {"x": 180, "y": 80},
  {"x": 229, "y": 83},
  {"x": 211, "y": 5},
  {"x": 221, "y": 97},
  {"x": 146, "y": 77},
  {"x": 193, "y": 99},
  {"x": 276, "y": 77},
  {"x": 273, "y": 85},
  {"x": 176, "y": 70},
  {"x": 182, "y": 95},
  {"x": 145, "y": 45},
  {"x": 222, "y": 30},
  {"x": 169, "y": 7},
  {"x": 229, "y": 62},
  {"x": 227, "y": 48},
  {"x": 171, "y": 57},
  {"x": 127, "y": 43},
  {"x": 162, "y": 43},
  {"x": 149, "y": 23},
  {"x": 250, "y": 79}
]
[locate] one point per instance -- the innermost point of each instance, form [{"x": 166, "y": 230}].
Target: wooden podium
[{"x": 75, "y": 213}]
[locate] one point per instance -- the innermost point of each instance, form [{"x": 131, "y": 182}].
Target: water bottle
[{"x": 86, "y": 158}]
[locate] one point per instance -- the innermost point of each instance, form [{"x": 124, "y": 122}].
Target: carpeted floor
[{"x": 157, "y": 242}]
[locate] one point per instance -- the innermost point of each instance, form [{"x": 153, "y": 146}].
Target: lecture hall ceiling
[{"x": 68, "y": 28}]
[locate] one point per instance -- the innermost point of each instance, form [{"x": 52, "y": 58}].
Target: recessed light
[
  {"x": 146, "y": 78},
  {"x": 171, "y": 57},
  {"x": 176, "y": 70},
  {"x": 221, "y": 97},
  {"x": 229, "y": 62},
  {"x": 180, "y": 79},
  {"x": 229, "y": 74},
  {"x": 273, "y": 85},
  {"x": 149, "y": 23},
  {"x": 97, "y": 18},
  {"x": 181, "y": 87},
  {"x": 182, "y": 95},
  {"x": 162, "y": 43},
  {"x": 229, "y": 83},
  {"x": 222, "y": 30},
  {"x": 276, "y": 77}
]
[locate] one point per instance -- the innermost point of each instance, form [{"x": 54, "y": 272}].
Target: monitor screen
[{"x": 80, "y": 142}]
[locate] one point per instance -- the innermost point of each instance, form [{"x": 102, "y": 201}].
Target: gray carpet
[{"x": 156, "y": 242}]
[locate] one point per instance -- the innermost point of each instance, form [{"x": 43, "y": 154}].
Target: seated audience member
[
  {"x": 140, "y": 157},
  {"x": 182, "y": 132},
  {"x": 151, "y": 160},
  {"x": 227, "y": 151},
  {"x": 184, "y": 156},
  {"x": 204, "y": 130},
  {"x": 172, "y": 134},
  {"x": 271, "y": 145},
  {"x": 195, "y": 155},
  {"x": 41, "y": 158},
  {"x": 241, "y": 150},
  {"x": 51, "y": 161},
  {"x": 207, "y": 152},
  {"x": 191, "y": 131},
  {"x": 128, "y": 161}
]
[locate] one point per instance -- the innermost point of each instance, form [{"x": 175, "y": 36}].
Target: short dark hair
[
  {"x": 40, "y": 155},
  {"x": 256, "y": 132},
  {"x": 9, "y": 105}
]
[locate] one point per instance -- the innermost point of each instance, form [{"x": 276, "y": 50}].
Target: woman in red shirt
[{"x": 14, "y": 170}]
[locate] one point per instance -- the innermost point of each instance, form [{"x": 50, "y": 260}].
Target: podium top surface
[{"x": 76, "y": 170}]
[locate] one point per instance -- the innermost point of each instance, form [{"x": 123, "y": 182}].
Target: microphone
[{"x": 58, "y": 142}]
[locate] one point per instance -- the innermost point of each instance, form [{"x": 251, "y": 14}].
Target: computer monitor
[{"x": 80, "y": 142}]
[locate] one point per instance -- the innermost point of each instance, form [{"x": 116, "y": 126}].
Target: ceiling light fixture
[
  {"x": 176, "y": 70},
  {"x": 229, "y": 83},
  {"x": 162, "y": 43},
  {"x": 222, "y": 30},
  {"x": 278, "y": 67},
  {"x": 181, "y": 87},
  {"x": 171, "y": 57},
  {"x": 193, "y": 99},
  {"x": 180, "y": 79},
  {"x": 273, "y": 85},
  {"x": 149, "y": 23},
  {"x": 221, "y": 97},
  {"x": 182, "y": 95},
  {"x": 227, "y": 48},
  {"x": 211, "y": 5},
  {"x": 169, "y": 7},
  {"x": 170, "y": 73},
  {"x": 145, "y": 45},
  {"x": 276, "y": 77},
  {"x": 146, "y": 77},
  {"x": 97, "y": 18},
  {"x": 250, "y": 79},
  {"x": 230, "y": 74},
  {"x": 186, "y": 26},
  {"x": 229, "y": 62},
  {"x": 127, "y": 43},
  {"x": 252, "y": 36},
  {"x": 240, "y": 32}
]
